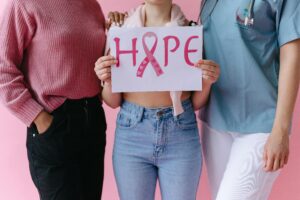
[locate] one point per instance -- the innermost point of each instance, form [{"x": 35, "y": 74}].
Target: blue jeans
[{"x": 151, "y": 145}]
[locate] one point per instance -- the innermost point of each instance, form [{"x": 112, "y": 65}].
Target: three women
[{"x": 246, "y": 121}]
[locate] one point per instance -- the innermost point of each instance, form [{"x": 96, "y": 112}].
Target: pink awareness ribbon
[{"x": 149, "y": 57}]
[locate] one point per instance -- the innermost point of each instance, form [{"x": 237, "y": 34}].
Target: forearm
[
  {"x": 17, "y": 30},
  {"x": 289, "y": 77},
  {"x": 15, "y": 94},
  {"x": 113, "y": 100},
  {"x": 200, "y": 98}
]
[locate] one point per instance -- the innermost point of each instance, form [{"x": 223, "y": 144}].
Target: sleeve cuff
[
  {"x": 288, "y": 39},
  {"x": 288, "y": 36},
  {"x": 28, "y": 111}
]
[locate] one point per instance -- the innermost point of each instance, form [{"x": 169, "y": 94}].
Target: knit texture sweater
[{"x": 47, "y": 53}]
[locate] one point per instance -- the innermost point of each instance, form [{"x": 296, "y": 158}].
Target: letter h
[{"x": 134, "y": 51}]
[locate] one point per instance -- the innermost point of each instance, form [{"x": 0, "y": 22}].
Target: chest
[
  {"x": 64, "y": 21},
  {"x": 237, "y": 16}
]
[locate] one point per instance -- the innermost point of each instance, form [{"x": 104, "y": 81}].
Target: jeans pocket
[
  {"x": 187, "y": 120},
  {"x": 48, "y": 130},
  {"x": 49, "y": 147},
  {"x": 126, "y": 120}
]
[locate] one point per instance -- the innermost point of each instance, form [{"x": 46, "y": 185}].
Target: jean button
[{"x": 159, "y": 113}]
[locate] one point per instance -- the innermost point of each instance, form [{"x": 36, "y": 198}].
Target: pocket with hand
[{"x": 43, "y": 122}]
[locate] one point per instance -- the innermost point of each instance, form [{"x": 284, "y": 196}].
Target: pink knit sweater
[{"x": 47, "y": 53}]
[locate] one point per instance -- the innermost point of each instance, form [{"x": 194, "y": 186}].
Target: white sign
[{"x": 156, "y": 59}]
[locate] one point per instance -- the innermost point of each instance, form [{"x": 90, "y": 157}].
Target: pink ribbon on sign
[{"x": 149, "y": 56}]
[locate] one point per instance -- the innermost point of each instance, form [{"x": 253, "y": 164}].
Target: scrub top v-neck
[{"x": 244, "y": 98}]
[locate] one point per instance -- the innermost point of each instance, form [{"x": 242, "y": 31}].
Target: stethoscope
[{"x": 249, "y": 19}]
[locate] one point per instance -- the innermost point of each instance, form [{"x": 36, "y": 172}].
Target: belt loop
[
  {"x": 160, "y": 113},
  {"x": 140, "y": 114},
  {"x": 65, "y": 105},
  {"x": 86, "y": 102},
  {"x": 176, "y": 117}
]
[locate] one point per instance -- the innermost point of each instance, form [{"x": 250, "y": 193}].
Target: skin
[
  {"x": 117, "y": 18},
  {"x": 276, "y": 152},
  {"x": 43, "y": 121},
  {"x": 158, "y": 13}
]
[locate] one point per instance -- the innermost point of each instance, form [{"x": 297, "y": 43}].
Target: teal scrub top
[{"x": 245, "y": 96}]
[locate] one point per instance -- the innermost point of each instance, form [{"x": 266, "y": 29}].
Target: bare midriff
[{"x": 152, "y": 99}]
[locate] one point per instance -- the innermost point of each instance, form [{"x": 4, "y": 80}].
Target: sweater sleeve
[{"x": 17, "y": 30}]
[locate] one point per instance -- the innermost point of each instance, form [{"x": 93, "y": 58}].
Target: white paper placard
[{"x": 156, "y": 59}]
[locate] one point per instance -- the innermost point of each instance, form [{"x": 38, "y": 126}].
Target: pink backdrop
[{"x": 15, "y": 181}]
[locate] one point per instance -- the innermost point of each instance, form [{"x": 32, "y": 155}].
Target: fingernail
[{"x": 121, "y": 22}]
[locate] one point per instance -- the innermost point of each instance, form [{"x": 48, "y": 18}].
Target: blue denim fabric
[{"x": 152, "y": 145}]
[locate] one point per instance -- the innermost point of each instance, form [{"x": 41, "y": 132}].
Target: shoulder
[
  {"x": 25, "y": 6},
  {"x": 12, "y": 6},
  {"x": 19, "y": 3}
]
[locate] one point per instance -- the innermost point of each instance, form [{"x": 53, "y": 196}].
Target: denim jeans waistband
[{"x": 160, "y": 112}]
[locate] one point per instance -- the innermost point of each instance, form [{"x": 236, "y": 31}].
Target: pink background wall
[{"x": 15, "y": 181}]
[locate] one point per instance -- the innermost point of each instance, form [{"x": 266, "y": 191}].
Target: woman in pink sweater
[{"x": 47, "y": 53}]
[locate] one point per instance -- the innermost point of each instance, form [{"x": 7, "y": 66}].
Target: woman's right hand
[
  {"x": 116, "y": 18},
  {"x": 43, "y": 121},
  {"x": 103, "y": 67}
]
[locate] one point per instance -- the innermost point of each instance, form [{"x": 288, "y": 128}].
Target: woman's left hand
[
  {"x": 210, "y": 71},
  {"x": 276, "y": 152}
]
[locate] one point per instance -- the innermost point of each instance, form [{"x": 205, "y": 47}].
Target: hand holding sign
[
  {"x": 103, "y": 67},
  {"x": 156, "y": 66}
]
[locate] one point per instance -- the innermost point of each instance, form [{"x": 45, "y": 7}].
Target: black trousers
[{"x": 67, "y": 161}]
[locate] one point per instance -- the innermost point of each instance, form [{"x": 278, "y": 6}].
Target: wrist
[
  {"x": 281, "y": 129},
  {"x": 206, "y": 85},
  {"x": 107, "y": 85}
]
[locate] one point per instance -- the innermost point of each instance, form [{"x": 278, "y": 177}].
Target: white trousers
[{"x": 234, "y": 164}]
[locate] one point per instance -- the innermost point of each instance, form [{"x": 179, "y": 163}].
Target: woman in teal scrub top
[{"x": 247, "y": 122}]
